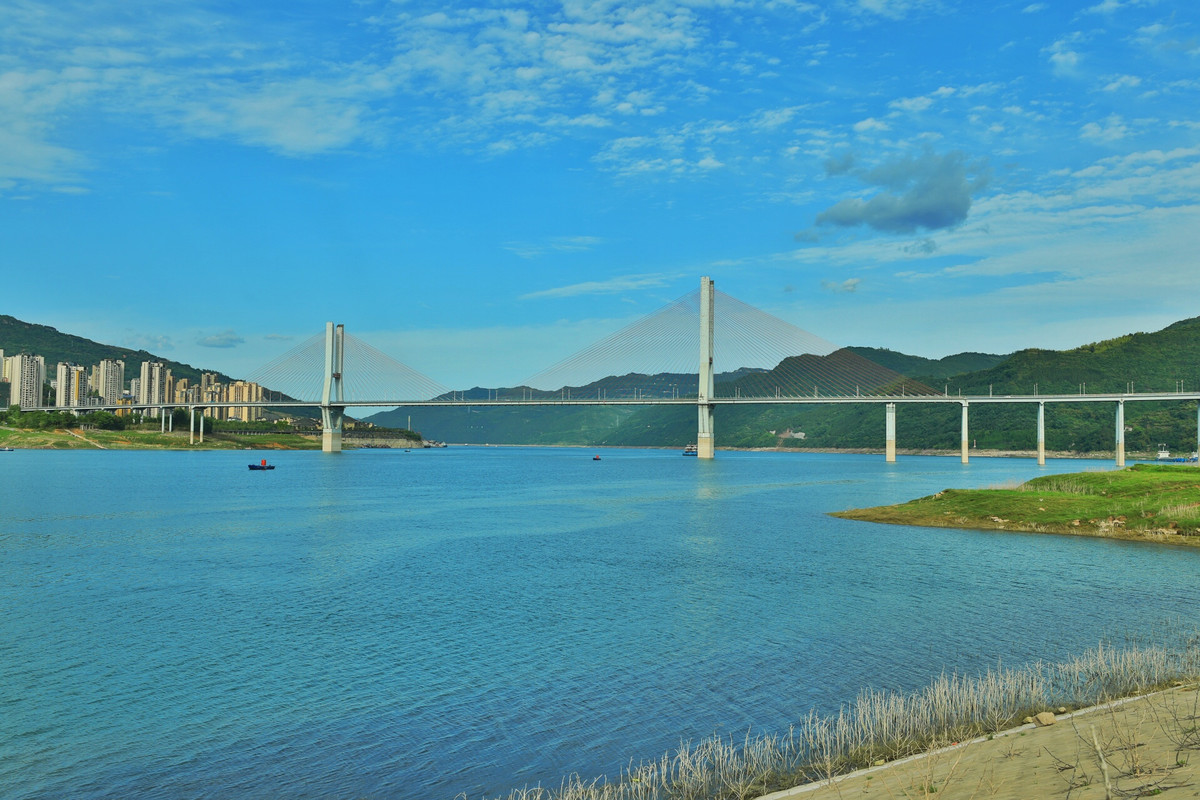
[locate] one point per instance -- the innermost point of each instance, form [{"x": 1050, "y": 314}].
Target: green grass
[
  {"x": 1144, "y": 502},
  {"x": 150, "y": 440}
]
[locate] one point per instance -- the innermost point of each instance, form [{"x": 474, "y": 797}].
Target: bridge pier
[
  {"x": 965, "y": 440},
  {"x": 332, "y": 409},
  {"x": 705, "y": 446},
  {"x": 1041, "y": 434},
  {"x": 1120, "y": 448},
  {"x": 890, "y": 434}
]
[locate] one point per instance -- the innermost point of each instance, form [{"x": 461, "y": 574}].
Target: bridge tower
[
  {"x": 704, "y": 433},
  {"x": 333, "y": 410}
]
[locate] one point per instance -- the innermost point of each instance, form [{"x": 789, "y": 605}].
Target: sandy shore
[{"x": 1148, "y": 746}]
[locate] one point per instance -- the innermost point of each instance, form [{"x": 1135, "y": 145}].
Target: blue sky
[{"x": 480, "y": 190}]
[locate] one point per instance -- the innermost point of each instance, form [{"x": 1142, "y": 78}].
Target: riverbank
[
  {"x": 1112, "y": 722},
  {"x": 1145, "y": 502},
  {"x": 1137, "y": 747},
  {"x": 94, "y": 439}
]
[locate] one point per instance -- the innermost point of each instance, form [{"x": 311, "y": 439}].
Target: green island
[{"x": 1144, "y": 502}]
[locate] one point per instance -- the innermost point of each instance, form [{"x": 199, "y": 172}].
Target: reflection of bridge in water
[{"x": 334, "y": 371}]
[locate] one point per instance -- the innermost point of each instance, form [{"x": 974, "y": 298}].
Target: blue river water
[{"x": 382, "y": 624}]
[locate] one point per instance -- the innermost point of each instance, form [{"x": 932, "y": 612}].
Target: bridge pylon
[
  {"x": 333, "y": 409},
  {"x": 704, "y": 432}
]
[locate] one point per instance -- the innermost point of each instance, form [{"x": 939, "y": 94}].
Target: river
[{"x": 379, "y": 624}]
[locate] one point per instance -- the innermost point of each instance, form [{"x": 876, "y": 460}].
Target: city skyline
[{"x": 482, "y": 190}]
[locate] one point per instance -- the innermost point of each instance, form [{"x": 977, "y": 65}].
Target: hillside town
[{"x": 24, "y": 382}]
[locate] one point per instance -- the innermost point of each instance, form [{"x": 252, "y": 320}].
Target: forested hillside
[{"x": 51, "y": 344}]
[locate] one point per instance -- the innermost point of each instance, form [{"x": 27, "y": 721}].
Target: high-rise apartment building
[
  {"x": 153, "y": 383},
  {"x": 110, "y": 380},
  {"x": 245, "y": 392},
  {"x": 71, "y": 385},
  {"x": 26, "y": 377},
  {"x": 213, "y": 391}
]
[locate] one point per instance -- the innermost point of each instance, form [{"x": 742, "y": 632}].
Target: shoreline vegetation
[
  {"x": 1145, "y": 502},
  {"x": 132, "y": 439},
  {"x": 97, "y": 439},
  {"x": 881, "y": 729}
]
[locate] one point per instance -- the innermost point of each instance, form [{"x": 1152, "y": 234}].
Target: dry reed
[{"x": 883, "y": 726}]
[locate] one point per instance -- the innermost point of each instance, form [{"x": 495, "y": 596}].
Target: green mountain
[
  {"x": 54, "y": 346},
  {"x": 932, "y": 369}
]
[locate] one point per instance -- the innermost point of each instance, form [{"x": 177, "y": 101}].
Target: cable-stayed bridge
[{"x": 669, "y": 357}]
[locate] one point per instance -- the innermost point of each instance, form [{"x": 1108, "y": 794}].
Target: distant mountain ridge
[{"x": 1141, "y": 361}]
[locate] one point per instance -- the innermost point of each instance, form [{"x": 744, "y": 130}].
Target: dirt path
[{"x": 81, "y": 437}]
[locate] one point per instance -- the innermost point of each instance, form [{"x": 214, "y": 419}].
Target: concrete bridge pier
[
  {"x": 890, "y": 435},
  {"x": 705, "y": 446},
  {"x": 1041, "y": 434},
  {"x": 333, "y": 410},
  {"x": 192, "y": 431},
  {"x": 1120, "y": 448},
  {"x": 965, "y": 440}
]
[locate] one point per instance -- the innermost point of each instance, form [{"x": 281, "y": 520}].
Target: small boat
[
  {"x": 6, "y": 449},
  {"x": 595, "y": 458},
  {"x": 261, "y": 465},
  {"x": 690, "y": 450}
]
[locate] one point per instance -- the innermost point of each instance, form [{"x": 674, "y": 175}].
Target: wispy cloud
[
  {"x": 557, "y": 244},
  {"x": 1109, "y": 130},
  {"x": 624, "y": 283},
  {"x": 224, "y": 340},
  {"x": 150, "y": 342},
  {"x": 842, "y": 287}
]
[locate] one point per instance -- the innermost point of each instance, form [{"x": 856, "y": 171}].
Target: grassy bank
[
  {"x": 880, "y": 727},
  {"x": 78, "y": 439},
  {"x": 1145, "y": 502}
]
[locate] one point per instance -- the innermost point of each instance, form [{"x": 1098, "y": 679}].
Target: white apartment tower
[
  {"x": 110, "y": 380},
  {"x": 152, "y": 388},
  {"x": 26, "y": 376},
  {"x": 71, "y": 385}
]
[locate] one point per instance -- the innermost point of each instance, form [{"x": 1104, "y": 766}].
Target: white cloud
[
  {"x": 1123, "y": 82},
  {"x": 847, "y": 286},
  {"x": 891, "y": 9},
  {"x": 617, "y": 285},
  {"x": 870, "y": 124},
  {"x": 1064, "y": 59},
  {"x": 1110, "y": 130},
  {"x": 1113, "y": 6},
  {"x": 911, "y": 104},
  {"x": 225, "y": 339},
  {"x": 559, "y": 244}
]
